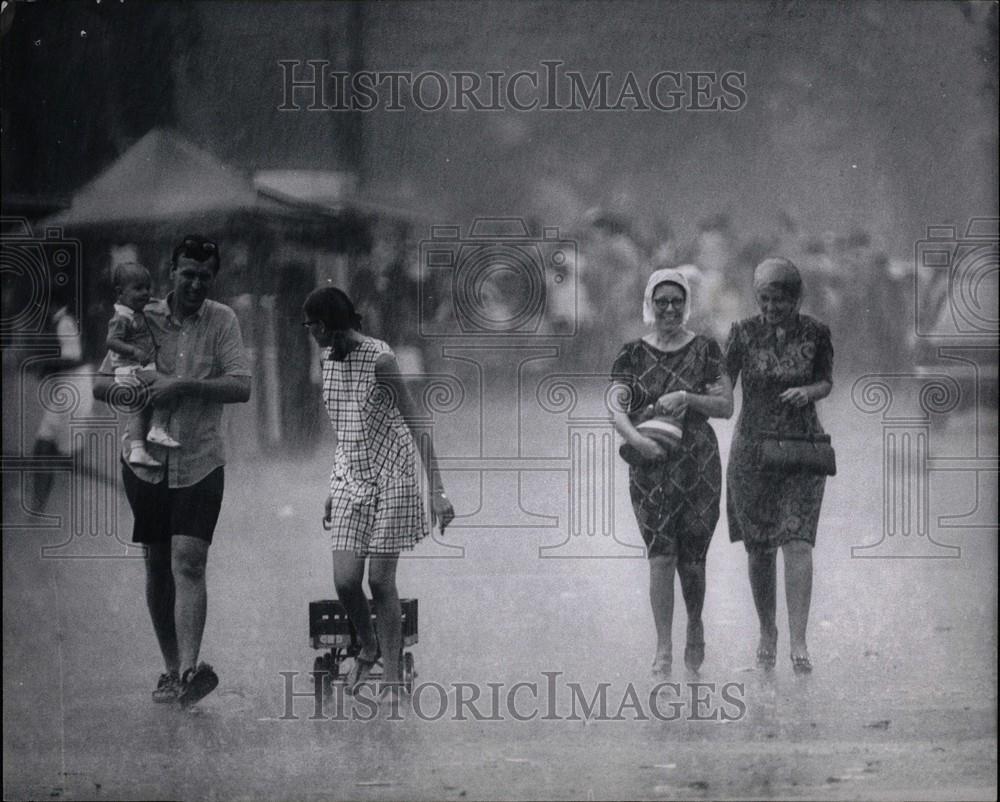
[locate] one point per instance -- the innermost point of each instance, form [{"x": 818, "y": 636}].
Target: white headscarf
[{"x": 674, "y": 276}]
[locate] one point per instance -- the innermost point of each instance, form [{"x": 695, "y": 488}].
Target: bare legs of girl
[{"x": 348, "y": 573}]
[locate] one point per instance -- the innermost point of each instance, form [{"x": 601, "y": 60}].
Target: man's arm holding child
[
  {"x": 221, "y": 389},
  {"x": 232, "y": 387}
]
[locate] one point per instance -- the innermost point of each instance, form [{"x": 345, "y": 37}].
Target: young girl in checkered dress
[
  {"x": 374, "y": 509},
  {"x": 375, "y": 505}
]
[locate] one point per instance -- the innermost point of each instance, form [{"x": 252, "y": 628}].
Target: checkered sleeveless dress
[{"x": 376, "y": 504}]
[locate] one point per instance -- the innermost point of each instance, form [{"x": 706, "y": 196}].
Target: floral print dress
[{"x": 766, "y": 510}]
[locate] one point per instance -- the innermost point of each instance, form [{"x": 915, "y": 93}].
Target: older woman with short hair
[
  {"x": 676, "y": 490},
  {"x": 785, "y": 360}
]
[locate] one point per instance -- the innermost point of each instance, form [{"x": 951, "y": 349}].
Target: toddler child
[{"x": 133, "y": 348}]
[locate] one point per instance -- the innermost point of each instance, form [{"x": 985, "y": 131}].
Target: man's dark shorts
[{"x": 161, "y": 512}]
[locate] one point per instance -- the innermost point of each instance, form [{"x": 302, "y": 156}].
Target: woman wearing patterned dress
[
  {"x": 786, "y": 362},
  {"x": 374, "y": 508},
  {"x": 675, "y": 496}
]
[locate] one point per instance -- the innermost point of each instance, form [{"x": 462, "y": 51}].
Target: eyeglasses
[{"x": 663, "y": 303}]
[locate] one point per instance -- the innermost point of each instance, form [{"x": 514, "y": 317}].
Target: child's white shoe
[
  {"x": 139, "y": 456},
  {"x": 159, "y": 436}
]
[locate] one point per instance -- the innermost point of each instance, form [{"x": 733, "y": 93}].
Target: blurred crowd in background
[
  {"x": 864, "y": 297},
  {"x": 586, "y": 303},
  {"x": 867, "y": 299}
]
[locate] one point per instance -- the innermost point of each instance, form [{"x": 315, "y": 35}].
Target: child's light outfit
[{"x": 132, "y": 328}]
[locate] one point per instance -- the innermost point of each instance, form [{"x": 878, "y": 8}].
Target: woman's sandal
[
  {"x": 392, "y": 695},
  {"x": 801, "y": 664},
  {"x": 766, "y": 658},
  {"x": 661, "y": 667},
  {"x": 360, "y": 670},
  {"x": 694, "y": 655}
]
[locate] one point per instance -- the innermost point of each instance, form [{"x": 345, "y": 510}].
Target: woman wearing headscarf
[
  {"x": 675, "y": 492},
  {"x": 786, "y": 362}
]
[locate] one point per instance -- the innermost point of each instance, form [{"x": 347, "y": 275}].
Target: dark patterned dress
[
  {"x": 676, "y": 502},
  {"x": 766, "y": 510}
]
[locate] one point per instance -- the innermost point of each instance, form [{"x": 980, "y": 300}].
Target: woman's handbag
[{"x": 798, "y": 453}]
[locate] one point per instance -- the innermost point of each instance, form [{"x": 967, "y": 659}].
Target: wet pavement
[{"x": 902, "y": 704}]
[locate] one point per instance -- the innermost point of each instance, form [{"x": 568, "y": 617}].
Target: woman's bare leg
[
  {"x": 693, "y": 587},
  {"x": 798, "y": 592},
  {"x": 763, "y": 579},
  {"x": 388, "y": 614},
  {"x": 348, "y": 573},
  {"x": 661, "y": 597}
]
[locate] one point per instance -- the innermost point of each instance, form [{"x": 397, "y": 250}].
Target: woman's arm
[
  {"x": 720, "y": 372},
  {"x": 717, "y": 404},
  {"x": 623, "y": 385},
  {"x": 800, "y": 396},
  {"x": 328, "y": 504},
  {"x": 387, "y": 374},
  {"x": 650, "y": 449},
  {"x": 822, "y": 375}
]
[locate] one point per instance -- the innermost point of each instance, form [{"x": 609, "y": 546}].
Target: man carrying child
[{"x": 202, "y": 365}]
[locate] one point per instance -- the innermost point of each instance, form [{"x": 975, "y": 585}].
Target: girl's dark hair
[{"x": 332, "y": 306}]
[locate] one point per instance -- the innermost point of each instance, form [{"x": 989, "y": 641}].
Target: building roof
[
  {"x": 164, "y": 177},
  {"x": 333, "y": 192}
]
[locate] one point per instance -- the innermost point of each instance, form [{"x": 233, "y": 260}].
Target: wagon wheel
[
  {"x": 409, "y": 672},
  {"x": 333, "y": 664},
  {"x": 321, "y": 679}
]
